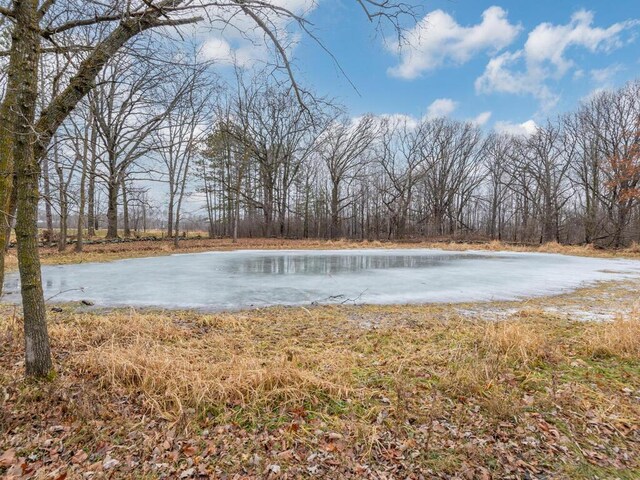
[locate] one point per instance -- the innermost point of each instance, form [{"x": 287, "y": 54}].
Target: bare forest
[{"x": 250, "y": 160}]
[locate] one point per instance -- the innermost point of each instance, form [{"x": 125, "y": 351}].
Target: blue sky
[{"x": 503, "y": 63}]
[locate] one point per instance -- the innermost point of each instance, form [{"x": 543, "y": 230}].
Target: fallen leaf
[
  {"x": 8, "y": 458},
  {"x": 79, "y": 457}
]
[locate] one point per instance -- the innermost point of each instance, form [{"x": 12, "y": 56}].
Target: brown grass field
[{"x": 545, "y": 388}]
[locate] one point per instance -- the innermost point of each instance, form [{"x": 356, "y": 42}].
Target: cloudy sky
[{"x": 503, "y": 64}]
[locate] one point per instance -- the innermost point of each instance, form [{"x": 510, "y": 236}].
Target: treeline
[
  {"x": 263, "y": 159},
  {"x": 273, "y": 168}
]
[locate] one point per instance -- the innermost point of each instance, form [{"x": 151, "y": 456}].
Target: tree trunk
[
  {"x": 47, "y": 199},
  {"x": 125, "y": 210},
  {"x": 23, "y": 71},
  {"x": 236, "y": 215},
  {"x": 91, "y": 195},
  {"x": 64, "y": 208},
  {"x": 176, "y": 236},
  {"x": 13, "y": 203},
  {"x": 79, "y": 232},
  {"x": 92, "y": 223},
  {"x": 7, "y": 118},
  {"x": 83, "y": 180},
  {"x": 170, "y": 213},
  {"x": 144, "y": 218},
  {"x": 335, "y": 214},
  {"x": 112, "y": 210}
]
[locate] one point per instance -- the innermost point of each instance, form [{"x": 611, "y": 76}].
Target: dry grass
[
  {"x": 619, "y": 338},
  {"x": 519, "y": 390},
  {"x": 201, "y": 362},
  {"x": 417, "y": 381},
  {"x": 520, "y": 340},
  {"x": 284, "y": 356}
]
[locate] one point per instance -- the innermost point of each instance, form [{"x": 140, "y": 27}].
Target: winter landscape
[{"x": 293, "y": 239}]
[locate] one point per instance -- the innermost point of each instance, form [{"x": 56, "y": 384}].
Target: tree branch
[{"x": 83, "y": 81}]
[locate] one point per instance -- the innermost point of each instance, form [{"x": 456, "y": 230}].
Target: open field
[{"x": 440, "y": 391}]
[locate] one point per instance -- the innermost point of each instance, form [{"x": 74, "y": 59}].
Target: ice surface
[{"x": 252, "y": 278}]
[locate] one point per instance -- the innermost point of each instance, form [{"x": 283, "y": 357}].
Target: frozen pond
[{"x": 252, "y": 278}]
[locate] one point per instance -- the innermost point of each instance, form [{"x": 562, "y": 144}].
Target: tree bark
[
  {"x": 13, "y": 203},
  {"x": 64, "y": 204},
  {"x": 112, "y": 210},
  {"x": 125, "y": 210},
  {"x": 335, "y": 210},
  {"x": 83, "y": 181},
  {"x": 170, "y": 211},
  {"x": 47, "y": 197},
  {"x": 79, "y": 230},
  {"x": 92, "y": 222},
  {"x": 24, "y": 72},
  {"x": 236, "y": 217},
  {"x": 7, "y": 119}
]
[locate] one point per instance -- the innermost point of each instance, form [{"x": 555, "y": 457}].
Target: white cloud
[
  {"x": 545, "y": 56},
  {"x": 501, "y": 76},
  {"x": 549, "y": 43},
  {"x": 481, "y": 119},
  {"x": 526, "y": 128},
  {"x": 604, "y": 76},
  {"x": 593, "y": 94},
  {"x": 218, "y": 50},
  {"x": 442, "y": 107},
  {"x": 242, "y": 42},
  {"x": 438, "y": 39}
]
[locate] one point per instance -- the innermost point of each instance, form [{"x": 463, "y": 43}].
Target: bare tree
[
  {"x": 498, "y": 151},
  {"x": 403, "y": 166},
  {"x": 40, "y": 29},
  {"x": 343, "y": 149},
  {"x": 179, "y": 134}
]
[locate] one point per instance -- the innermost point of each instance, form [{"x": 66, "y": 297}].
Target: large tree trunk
[
  {"x": 13, "y": 203},
  {"x": 30, "y": 141},
  {"x": 267, "y": 209},
  {"x": 23, "y": 71},
  {"x": 548, "y": 223},
  {"x": 335, "y": 214},
  {"x": 620, "y": 222},
  {"x": 7, "y": 118},
  {"x": 112, "y": 210}
]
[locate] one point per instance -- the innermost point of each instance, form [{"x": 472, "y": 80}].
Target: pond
[{"x": 257, "y": 278}]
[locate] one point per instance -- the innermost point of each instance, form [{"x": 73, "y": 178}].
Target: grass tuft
[
  {"x": 619, "y": 338},
  {"x": 521, "y": 341}
]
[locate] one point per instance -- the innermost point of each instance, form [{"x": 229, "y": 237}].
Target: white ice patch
[{"x": 257, "y": 278}]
